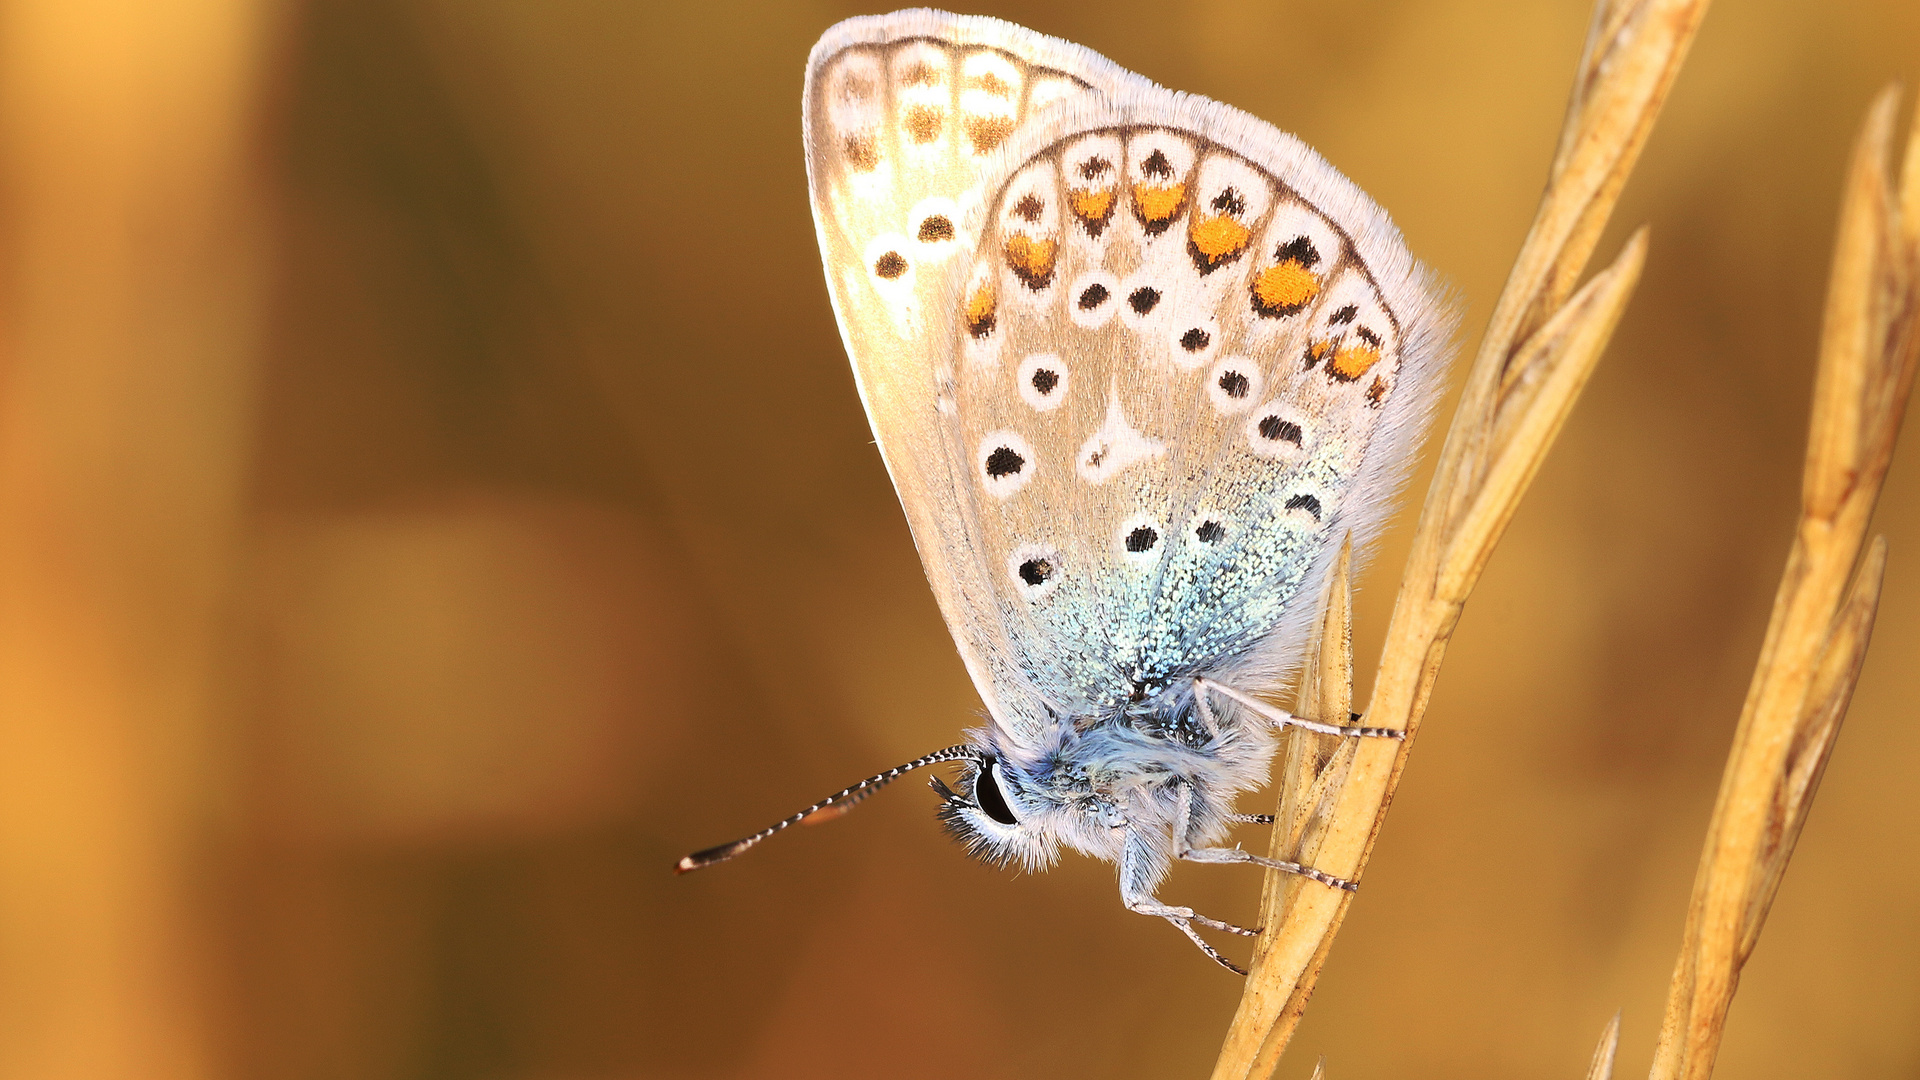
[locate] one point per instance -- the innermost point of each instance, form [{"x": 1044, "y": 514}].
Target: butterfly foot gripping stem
[
  {"x": 1183, "y": 918},
  {"x": 1235, "y": 855},
  {"x": 1138, "y": 874}
]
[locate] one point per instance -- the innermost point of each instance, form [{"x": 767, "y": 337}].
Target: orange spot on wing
[
  {"x": 857, "y": 88},
  {"x": 1157, "y": 204},
  {"x": 1350, "y": 361},
  {"x": 924, "y": 122},
  {"x": 979, "y": 310},
  {"x": 991, "y": 83},
  {"x": 1031, "y": 259},
  {"x": 1090, "y": 205},
  {"x": 1219, "y": 238},
  {"x": 863, "y": 152},
  {"x": 1284, "y": 288},
  {"x": 988, "y": 132},
  {"x": 1093, "y": 206},
  {"x": 922, "y": 74}
]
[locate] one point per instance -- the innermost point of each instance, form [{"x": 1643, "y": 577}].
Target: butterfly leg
[
  {"x": 1182, "y": 850},
  {"x": 1236, "y": 855},
  {"x": 1139, "y": 869},
  {"x": 1277, "y": 717}
]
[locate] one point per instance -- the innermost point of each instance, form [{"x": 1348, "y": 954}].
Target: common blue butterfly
[{"x": 1139, "y": 364}]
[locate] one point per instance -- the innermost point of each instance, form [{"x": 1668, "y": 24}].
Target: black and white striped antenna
[{"x": 842, "y": 801}]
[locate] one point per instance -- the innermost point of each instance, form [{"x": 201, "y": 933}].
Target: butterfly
[{"x": 1139, "y": 364}]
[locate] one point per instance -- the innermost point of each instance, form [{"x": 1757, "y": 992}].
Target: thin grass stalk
[
  {"x": 1541, "y": 345},
  {"x": 1823, "y": 612}
]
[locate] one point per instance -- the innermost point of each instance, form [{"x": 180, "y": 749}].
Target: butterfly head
[
  {"x": 1001, "y": 815},
  {"x": 1094, "y": 783}
]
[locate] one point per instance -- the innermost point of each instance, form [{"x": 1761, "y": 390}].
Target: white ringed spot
[
  {"x": 1005, "y": 463},
  {"x": 1143, "y": 302},
  {"x": 1278, "y": 430},
  {"x": 1194, "y": 342},
  {"x": 1035, "y": 570},
  {"x": 1042, "y": 381},
  {"x": 1234, "y": 384},
  {"x": 1209, "y": 528},
  {"x": 934, "y": 224},
  {"x": 1093, "y": 298},
  {"x": 1140, "y": 539},
  {"x": 889, "y": 268}
]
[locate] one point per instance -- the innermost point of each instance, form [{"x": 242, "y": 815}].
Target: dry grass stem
[
  {"x": 1541, "y": 344},
  {"x": 1603, "y": 1054},
  {"x": 1823, "y": 612}
]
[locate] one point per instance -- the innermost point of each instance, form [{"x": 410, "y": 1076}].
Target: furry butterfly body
[{"x": 1139, "y": 364}]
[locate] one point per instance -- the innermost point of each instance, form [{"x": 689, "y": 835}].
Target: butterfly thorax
[{"x": 1096, "y": 779}]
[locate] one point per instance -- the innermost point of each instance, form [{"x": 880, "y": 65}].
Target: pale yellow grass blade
[{"x": 1823, "y": 612}]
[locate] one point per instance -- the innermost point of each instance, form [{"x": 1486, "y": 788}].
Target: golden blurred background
[{"x": 433, "y": 498}]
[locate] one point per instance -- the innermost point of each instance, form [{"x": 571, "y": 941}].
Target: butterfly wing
[
  {"x": 1168, "y": 358},
  {"x": 1208, "y": 359},
  {"x": 905, "y": 115}
]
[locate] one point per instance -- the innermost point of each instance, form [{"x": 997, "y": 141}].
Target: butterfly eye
[{"x": 987, "y": 793}]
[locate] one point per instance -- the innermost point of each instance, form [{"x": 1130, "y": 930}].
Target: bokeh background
[{"x": 433, "y": 498}]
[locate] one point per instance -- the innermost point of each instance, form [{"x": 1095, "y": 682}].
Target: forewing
[{"x": 905, "y": 116}]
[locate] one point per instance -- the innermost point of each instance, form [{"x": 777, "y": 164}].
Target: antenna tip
[{"x": 702, "y": 859}]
